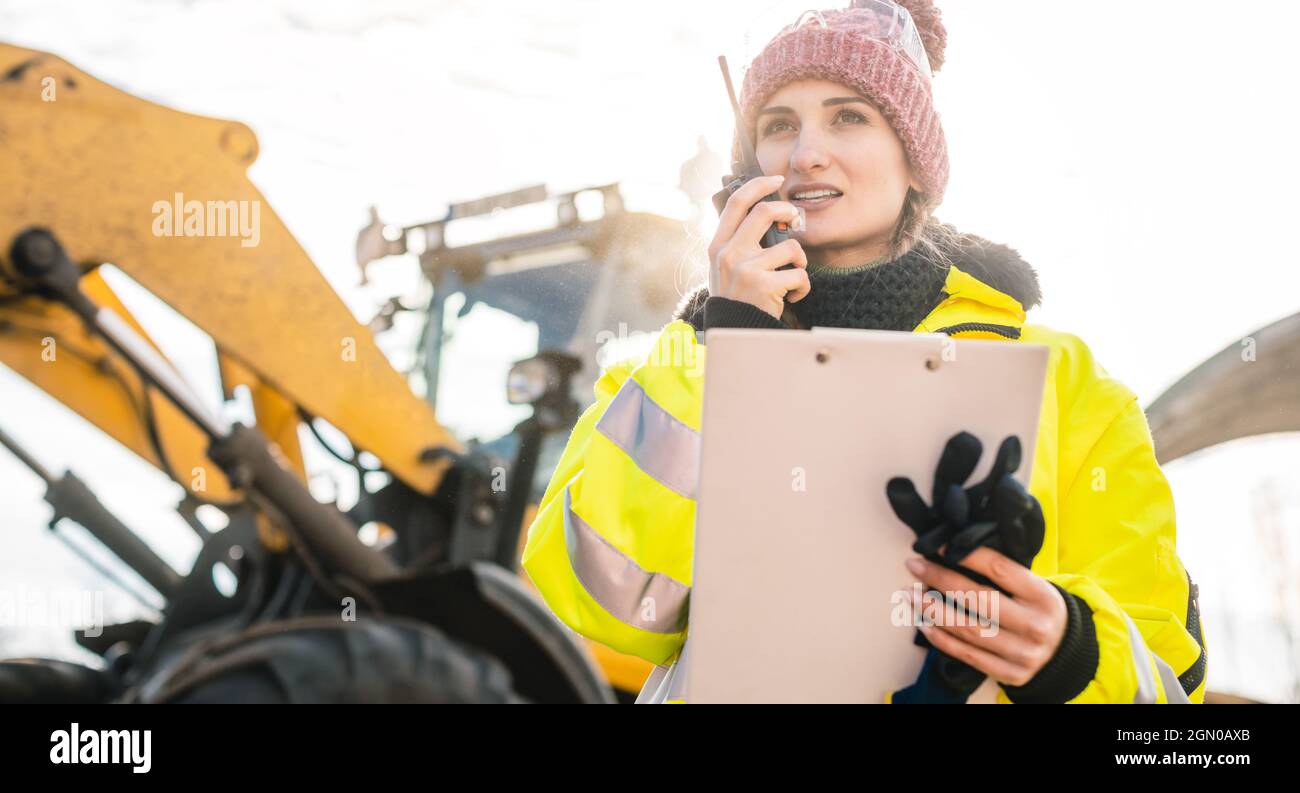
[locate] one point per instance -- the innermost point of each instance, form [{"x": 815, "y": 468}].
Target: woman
[{"x": 840, "y": 110}]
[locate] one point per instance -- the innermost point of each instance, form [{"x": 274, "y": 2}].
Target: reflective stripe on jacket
[{"x": 612, "y": 544}]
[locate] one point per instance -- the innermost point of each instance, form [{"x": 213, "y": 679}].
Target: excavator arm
[{"x": 164, "y": 196}]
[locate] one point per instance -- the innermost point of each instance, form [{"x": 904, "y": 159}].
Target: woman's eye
[
  {"x": 851, "y": 116},
  {"x": 776, "y": 126}
]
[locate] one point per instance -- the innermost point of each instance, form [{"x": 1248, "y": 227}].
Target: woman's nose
[{"x": 808, "y": 154}]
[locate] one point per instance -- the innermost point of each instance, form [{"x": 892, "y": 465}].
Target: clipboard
[{"x": 798, "y": 555}]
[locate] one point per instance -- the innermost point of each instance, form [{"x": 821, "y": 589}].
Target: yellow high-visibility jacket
[{"x": 612, "y": 544}]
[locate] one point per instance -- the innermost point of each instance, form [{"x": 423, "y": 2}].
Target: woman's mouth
[{"x": 813, "y": 200}]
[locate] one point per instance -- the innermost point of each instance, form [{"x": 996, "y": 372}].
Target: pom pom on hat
[{"x": 929, "y": 24}]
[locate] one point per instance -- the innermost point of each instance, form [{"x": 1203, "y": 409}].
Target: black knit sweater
[{"x": 894, "y": 295}]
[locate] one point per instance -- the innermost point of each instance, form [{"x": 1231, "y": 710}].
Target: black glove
[{"x": 996, "y": 513}]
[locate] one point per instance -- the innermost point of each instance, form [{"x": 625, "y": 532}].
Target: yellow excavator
[{"x": 431, "y": 606}]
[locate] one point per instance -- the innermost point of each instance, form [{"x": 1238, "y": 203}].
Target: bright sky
[{"x": 1140, "y": 155}]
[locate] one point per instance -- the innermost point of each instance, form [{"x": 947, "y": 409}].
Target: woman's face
[{"x": 824, "y": 136}]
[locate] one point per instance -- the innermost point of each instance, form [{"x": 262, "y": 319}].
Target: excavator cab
[{"x": 523, "y": 310}]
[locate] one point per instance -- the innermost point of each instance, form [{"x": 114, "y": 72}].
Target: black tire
[
  {"x": 44, "y": 681},
  {"x": 326, "y": 660}
]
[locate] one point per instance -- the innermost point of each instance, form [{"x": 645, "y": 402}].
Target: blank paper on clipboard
[{"x": 798, "y": 555}]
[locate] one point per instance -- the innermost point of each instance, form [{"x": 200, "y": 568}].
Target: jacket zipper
[{"x": 1007, "y": 331}]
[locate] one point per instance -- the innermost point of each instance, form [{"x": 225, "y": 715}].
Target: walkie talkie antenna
[{"x": 749, "y": 160}]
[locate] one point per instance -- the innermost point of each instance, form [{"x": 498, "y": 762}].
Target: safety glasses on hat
[{"x": 882, "y": 20}]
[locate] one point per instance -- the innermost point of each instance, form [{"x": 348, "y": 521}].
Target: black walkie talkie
[{"x": 749, "y": 169}]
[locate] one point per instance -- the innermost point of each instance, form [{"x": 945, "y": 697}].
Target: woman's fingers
[
  {"x": 749, "y": 235},
  {"x": 759, "y": 279},
  {"x": 998, "y": 668},
  {"x": 794, "y": 283},
  {"x": 737, "y": 208},
  {"x": 1036, "y": 618},
  {"x": 1019, "y": 651},
  {"x": 1009, "y": 574},
  {"x": 777, "y": 256},
  {"x": 988, "y": 603},
  {"x": 779, "y": 285},
  {"x": 740, "y": 268},
  {"x": 776, "y": 287}
]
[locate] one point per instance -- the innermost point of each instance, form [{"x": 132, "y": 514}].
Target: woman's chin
[
  {"x": 811, "y": 238},
  {"x": 821, "y": 239}
]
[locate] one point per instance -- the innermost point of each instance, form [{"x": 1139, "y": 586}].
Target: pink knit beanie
[{"x": 848, "y": 50}]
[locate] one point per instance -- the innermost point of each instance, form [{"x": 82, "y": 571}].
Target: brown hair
[{"x": 917, "y": 228}]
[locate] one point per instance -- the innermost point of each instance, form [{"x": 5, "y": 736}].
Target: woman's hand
[
  {"x": 739, "y": 267},
  {"x": 1028, "y": 625}
]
